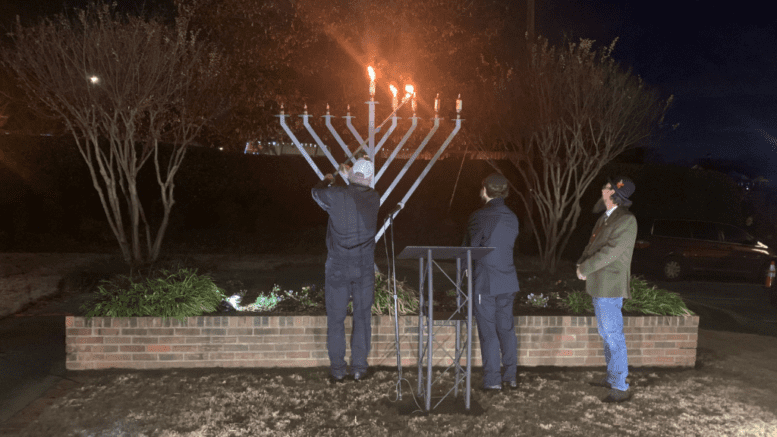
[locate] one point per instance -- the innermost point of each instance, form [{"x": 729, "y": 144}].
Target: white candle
[
  {"x": 412, "y": 103},
  {"x": 458, "y": 104},
  {"x": 437, "y": 103}
]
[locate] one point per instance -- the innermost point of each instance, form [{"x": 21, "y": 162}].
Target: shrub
[
  {"x": 163, "y": 293},
  {"x": 645, "y": 298},
  {"x": 407, "y": 301}
]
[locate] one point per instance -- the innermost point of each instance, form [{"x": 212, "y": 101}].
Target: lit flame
[
  {"x": 394, "y": 90},
  {"x": 409, "y": 91},
  {"x": 372, "y": 80}
]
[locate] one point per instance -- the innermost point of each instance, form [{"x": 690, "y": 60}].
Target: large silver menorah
[{"x": 368, "y": 145}]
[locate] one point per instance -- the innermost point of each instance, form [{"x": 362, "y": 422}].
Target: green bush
[
  {"x": 648, "y": 299},
  {"x": 407, "y": 302},
  {"x": 645, "y": 298},
  {"x": 163, "y": 293}
]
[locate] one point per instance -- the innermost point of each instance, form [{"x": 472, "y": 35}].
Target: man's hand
[
  {"x": 329, "y": 177},
  {"x": 580, "y": 275},
  {"x": 344, "y": 168}
]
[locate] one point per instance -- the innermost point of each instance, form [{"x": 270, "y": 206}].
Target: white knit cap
[{"x": 362, "y": 171}]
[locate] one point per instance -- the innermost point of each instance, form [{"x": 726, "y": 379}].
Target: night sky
[{"x": 718, "y": 59}]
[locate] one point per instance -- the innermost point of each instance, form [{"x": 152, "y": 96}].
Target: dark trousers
[
  {"x": 498, "y": 343},
  {"x": 346, "y": 281}
]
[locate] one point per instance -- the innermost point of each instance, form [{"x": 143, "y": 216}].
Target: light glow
[
  {"x": 371, "y": 72},
  {"x": 394, "y": 102}
]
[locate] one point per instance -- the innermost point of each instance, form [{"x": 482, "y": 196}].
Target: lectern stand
[{"x": 427, "y": 255}]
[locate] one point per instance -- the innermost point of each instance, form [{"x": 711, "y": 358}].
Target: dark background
[{"x": 230, "y": 202}]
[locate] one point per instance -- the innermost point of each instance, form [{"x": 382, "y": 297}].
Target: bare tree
[
  {"x": 123, "y": 86},
  {"x": 563, "y": 115}
]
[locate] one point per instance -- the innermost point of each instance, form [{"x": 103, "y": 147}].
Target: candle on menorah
[
  {"x": 371, "y": 72},
  {"x": 371, "y": 145}
]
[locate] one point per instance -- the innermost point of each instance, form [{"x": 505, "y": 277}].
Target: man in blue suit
[{"x": 496, "y": 283}]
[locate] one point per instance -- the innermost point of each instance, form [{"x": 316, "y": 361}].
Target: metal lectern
[{"x": 426, "y": 314}]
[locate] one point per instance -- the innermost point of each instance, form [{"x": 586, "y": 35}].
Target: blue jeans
[
  {"x": 498, "y": 343},
  {"x": 609, "y": 320},
  {"x": 346, "y": 281}
]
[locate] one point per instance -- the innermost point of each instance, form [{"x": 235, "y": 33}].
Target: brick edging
[{"x": 300, "y": 341}]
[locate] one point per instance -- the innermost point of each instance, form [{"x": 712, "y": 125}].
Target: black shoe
[
  {"x": 492, "y": 388},
  {"x": 510, "y": 385},
  {"x": 335, "y": 380},
  {"x": 360, "y": 376},
  {"x": 600, "y": 383},
  {"x": 616, "y": 395}
]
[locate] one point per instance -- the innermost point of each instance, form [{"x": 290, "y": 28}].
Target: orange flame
[
  {"x": 393, "y": 89},
  {"x": 371, "y": 72},
  {"x": 409, "y": 91}
]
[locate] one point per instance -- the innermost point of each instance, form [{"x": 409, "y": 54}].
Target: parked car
[{"x": 681, "y": 248}]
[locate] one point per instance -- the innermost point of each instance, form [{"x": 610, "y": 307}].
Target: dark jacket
[
  {"x": 606, "y": 261},
  {"x": 353, "y": 219},
  {"x": 494, "y": 225}
]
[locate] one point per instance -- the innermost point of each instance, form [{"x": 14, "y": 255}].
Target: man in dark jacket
[
  {"x": 606, "y": 267},
  {"x": 350, "y": 265},
  {"x": 496, "y": 283}
]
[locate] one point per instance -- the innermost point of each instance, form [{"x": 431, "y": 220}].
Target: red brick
[
  {"x": 286, "y": 347},
  {"x": 145, "y": 340},
  {"x": 161, "y": 331},
  {"x": 88, "y": 340},
  {"x": 678, "y": 352},
  {"x": 574, "y": 345},
  {"x": 144, "y": 357},
  {"x": 157, "y": 348},
  {"x": 198, "y": 357},
  {"x": 562, "y": 352},
  {"x": 170, "y": 357},
  {"x": 118, "y": 340},
  {"x": 90, "y": 357},
  {"x": 187, "y": 331},
  {"x": 184, "y": 349},
  {"x": 78, "y": 331},
  {"x": 107, "y": 349},
  {"x": 117, "y": 357},
  {"x": 298, "y": 355},
  {"x": 221, "y": 356},
  {"x": 134, "y": 348}
]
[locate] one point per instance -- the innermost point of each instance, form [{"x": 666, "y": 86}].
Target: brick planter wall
[{"x": 300, "y": 341}]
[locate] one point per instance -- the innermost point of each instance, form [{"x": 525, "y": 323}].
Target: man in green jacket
[{"x": 606, "y": 267}]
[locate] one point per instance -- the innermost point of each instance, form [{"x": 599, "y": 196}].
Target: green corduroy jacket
[{"x": 606, "y": 260}]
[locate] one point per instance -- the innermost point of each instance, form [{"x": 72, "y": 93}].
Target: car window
[
  {"x": 732, "y": 234},
  {"x": 672, "y": 228},
  {"x": 705, "y": 231}
]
